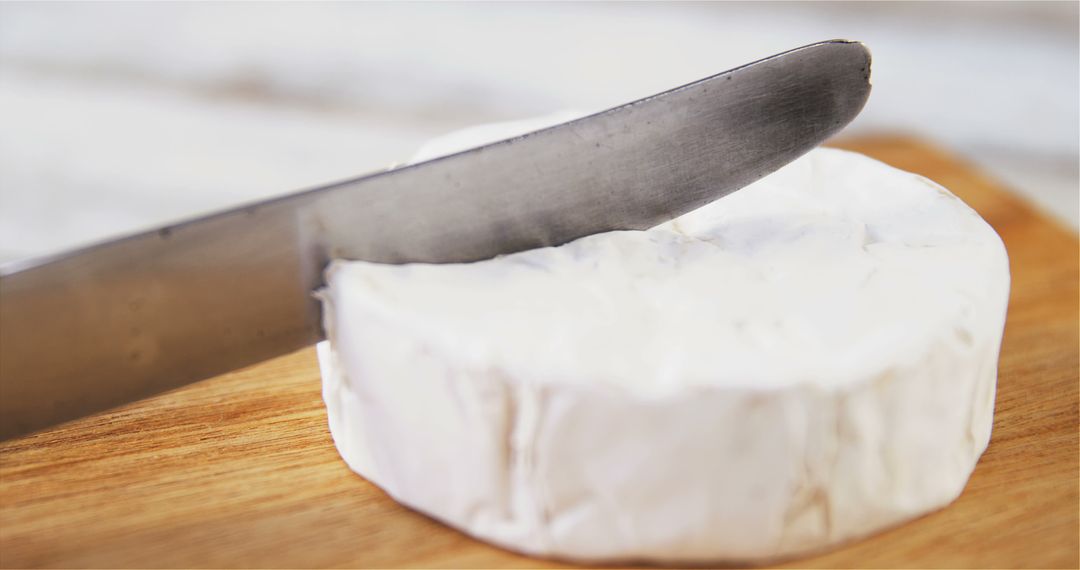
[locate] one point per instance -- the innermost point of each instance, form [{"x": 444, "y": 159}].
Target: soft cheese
[{"x": 806, "y": 361}]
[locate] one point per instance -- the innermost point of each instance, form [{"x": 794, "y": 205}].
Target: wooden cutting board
[{"x": 240, "y": 471}]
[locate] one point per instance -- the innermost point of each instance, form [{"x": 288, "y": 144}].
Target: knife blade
[{"x": 93, "y": 328}]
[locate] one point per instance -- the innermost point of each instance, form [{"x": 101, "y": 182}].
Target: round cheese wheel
[{"x": 806, "y": 361}]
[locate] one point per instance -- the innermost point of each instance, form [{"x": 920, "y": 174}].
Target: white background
[{"x": 119, "y": 117}]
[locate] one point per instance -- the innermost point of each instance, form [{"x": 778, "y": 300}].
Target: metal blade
[{"x": 111, "y": 323}]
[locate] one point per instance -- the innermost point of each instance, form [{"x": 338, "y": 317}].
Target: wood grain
[{"x": 240, "y": 471}]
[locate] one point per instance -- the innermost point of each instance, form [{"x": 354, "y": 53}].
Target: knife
[{"x": 96, "y": 327}]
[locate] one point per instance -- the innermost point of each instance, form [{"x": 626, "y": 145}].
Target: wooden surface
[{"x": 240, "y": 471}]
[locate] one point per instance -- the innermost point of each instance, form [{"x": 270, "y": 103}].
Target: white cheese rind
[{"x": 804, "y": 362}]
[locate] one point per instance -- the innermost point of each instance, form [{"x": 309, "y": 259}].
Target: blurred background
[{"x": 120, "y": 117}]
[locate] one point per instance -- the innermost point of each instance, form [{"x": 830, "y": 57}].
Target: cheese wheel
[{"x": 804, "y": 362}]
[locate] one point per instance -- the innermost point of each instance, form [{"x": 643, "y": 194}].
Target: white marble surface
[{"x": 118, "y": 117}]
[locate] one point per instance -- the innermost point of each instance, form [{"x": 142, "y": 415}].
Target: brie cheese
[{"x": 806, "y": 361}]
